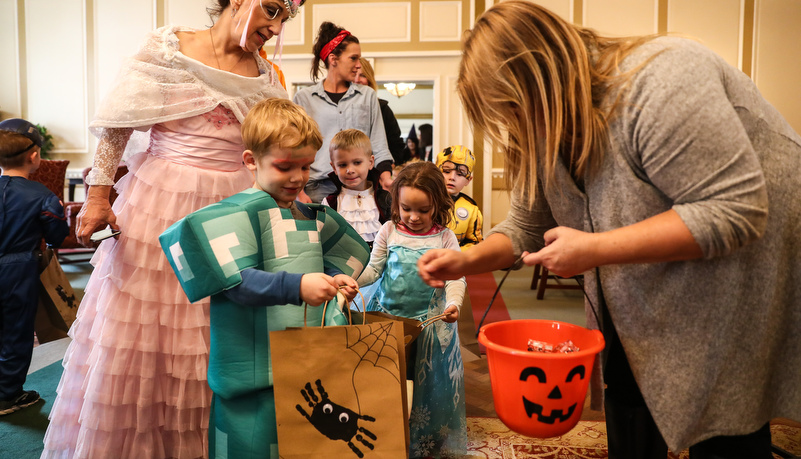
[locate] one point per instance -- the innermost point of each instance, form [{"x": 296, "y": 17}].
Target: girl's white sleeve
[
  {"x": 108, "y": 156},
  {"x": 454, "y": 289},
  {"x": 378, "y": 258}
]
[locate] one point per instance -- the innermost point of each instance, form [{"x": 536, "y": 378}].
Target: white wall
[{"x": 59, "y": 58}]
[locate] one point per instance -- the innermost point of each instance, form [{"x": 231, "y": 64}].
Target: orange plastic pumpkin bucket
[{"x": 539, "y": 394}]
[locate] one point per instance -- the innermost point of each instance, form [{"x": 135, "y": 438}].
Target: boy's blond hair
[
  {"x": 10, "y": 143},
  {"x": 350, "y": 139},
  {"x": 279, "y": 123}
]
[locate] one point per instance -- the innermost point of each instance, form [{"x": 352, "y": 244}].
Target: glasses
[
  {"x": 271, "y": 10},
  {"x": 461, "y": 170}
]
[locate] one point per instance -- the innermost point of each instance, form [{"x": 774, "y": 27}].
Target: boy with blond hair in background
[{"x": 359, "y": 197}]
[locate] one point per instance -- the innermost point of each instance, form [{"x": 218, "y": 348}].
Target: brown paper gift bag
[
  {"x": 411, "y": 327},
  {"x": 57, "y": 301},
  {"x": 340, "y": 391}
]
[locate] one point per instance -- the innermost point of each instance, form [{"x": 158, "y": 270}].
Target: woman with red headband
[{"x": 337, "y": 103}]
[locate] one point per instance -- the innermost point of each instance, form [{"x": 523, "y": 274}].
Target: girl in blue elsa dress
[{"x": 421, "y": 208}]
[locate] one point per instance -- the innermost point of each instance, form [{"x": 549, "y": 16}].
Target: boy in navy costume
[{"x": 28, "y": 212}]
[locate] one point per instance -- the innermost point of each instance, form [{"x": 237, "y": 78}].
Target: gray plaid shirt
[{"x": 358, "y": 109}]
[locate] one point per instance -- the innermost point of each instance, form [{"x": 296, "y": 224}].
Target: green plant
[{"x": 47, "y": 146}]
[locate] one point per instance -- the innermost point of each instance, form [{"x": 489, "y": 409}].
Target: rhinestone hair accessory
[
  {"x": 292, "y": 6},
  {"x": 331, "y": 45}
]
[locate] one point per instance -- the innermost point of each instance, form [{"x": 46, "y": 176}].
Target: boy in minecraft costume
[{"x": 251, "y": 253}]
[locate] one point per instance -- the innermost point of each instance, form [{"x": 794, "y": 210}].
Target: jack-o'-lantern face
[{"x": 556, "y": 411}]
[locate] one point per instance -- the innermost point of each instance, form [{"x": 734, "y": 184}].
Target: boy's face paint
[
  {"x": 455, "y": 177},
  {"x": 282, "y": 172}
]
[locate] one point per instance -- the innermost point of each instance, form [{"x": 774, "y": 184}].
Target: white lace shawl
[{"x": 159, "y": 84}]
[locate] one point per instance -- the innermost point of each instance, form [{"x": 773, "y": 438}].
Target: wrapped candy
[
  {"x": 566, "y": 347},
  {"x": 541, "y": 346}
]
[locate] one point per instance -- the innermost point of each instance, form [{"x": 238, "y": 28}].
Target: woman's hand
[
  {"x": 95, "y": 214},
  {"x": 658, "y": 239},
  {"x": 386, "y": 180},
  {"x": 438, "y": 265},
  {"x": 567, "y": 252}
]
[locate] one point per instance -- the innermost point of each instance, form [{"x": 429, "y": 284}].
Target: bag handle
[
  {"x": 350, "y": 318},
  {"x": 431, "y": 320}
]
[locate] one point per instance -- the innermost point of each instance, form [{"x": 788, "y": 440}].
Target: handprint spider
[{"x": 335, "y": 421}]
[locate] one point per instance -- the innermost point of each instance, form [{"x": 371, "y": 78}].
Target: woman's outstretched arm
[{"x": 437, "y": 266}]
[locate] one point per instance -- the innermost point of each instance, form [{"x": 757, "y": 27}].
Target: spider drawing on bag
[
  {"x": 335, "y": 421},
  {"x": 69, "y": 299}
]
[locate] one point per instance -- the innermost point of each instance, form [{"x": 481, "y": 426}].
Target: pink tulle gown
[{"x": 134, "y": 381}]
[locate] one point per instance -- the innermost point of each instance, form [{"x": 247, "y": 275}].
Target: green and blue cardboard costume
[{"x": 207, "y": 250}]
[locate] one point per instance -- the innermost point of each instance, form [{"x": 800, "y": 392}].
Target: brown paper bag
[
  {"x": 57, "y": 298},
  {"x": 411, "y": 327},
  {"x": 340, "y": 391}
]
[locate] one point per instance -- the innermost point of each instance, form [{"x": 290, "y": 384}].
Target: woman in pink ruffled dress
[{"x": 134, "y": 381}]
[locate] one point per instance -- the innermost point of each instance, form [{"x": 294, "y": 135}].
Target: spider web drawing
[{"x": 376, "y": 346}]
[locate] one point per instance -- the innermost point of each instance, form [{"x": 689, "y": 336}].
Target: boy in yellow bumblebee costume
[{"x": 456, "y": 163}]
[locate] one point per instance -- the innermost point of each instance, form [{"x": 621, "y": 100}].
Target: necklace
[{"x": 213, "y": 48}]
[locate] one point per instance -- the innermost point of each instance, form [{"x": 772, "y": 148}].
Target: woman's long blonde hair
[
  {"x": 534, "y": 84},
  {"x": 369, "y": 74}
]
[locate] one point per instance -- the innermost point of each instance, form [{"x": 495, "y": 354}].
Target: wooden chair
[
  {"x": 540, "y": 282},
  {"x": 53, "y": 174},
  {"x": 777, "y": 451}
]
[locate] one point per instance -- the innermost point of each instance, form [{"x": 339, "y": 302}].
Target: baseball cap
[
  {"x": 23, "y": 127},
  {"x": 458, "y": 155}
]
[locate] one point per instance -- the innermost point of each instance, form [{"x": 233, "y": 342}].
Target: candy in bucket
[{"x": 539, "y": 394}]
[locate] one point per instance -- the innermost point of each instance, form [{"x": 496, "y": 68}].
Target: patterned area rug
[{"x": 489, "y": 438}]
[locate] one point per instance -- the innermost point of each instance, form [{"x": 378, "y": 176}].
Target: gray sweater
[{"x": 714, "y": 343}]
